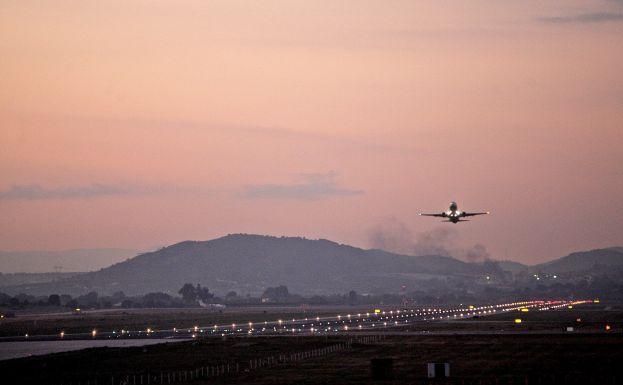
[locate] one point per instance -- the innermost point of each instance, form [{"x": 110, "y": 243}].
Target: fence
[{"x": 225, "y": 369}]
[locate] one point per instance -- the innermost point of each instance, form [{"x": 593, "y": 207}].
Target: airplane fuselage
[{"x": 454, "y": 215}]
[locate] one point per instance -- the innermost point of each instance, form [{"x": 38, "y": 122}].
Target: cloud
[
  {"x": 584, "y": 18},
  {"x": 310, "y": 187},
  {"x": 37, "y": 192}
]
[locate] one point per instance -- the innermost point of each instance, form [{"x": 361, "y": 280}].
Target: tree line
[{"x": 190, "y": 295}]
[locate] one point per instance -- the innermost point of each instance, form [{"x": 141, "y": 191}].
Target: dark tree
[
  {"x": 352, "y": 297},
  {"x": 54, "y": 300},
  {"x": 188, "y": 292},
  {"x": 277, "y": 294},
  {"x": 89, "y": 299},
  {"x": 203, "y": 294}
]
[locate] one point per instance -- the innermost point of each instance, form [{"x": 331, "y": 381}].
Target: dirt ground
[{"x": 472, "y": 357}]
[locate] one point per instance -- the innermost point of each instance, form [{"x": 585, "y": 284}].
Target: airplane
[{"x": 454, "y": 215}]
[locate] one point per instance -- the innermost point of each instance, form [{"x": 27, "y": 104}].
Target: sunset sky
[{"x": 136, "y": 124}]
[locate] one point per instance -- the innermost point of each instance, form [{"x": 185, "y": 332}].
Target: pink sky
[{"x": 142, "y": 123}]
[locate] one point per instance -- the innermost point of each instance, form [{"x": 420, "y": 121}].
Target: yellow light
[
  {"x": 596, "y": 301},
  {"x": 377, "y": 311},
  {"x": 517, "y": 320},
  {"x": 525, "y": 309},
  {"x": 570, "y": 306},
  {"x": 471, "y": 306}
]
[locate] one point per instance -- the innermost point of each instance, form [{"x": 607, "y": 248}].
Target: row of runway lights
[{"x": 381, "y": 318}]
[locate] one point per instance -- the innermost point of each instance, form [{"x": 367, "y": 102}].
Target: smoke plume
[{"x": 394, "y": 236}]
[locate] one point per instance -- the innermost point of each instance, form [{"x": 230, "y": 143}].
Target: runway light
[
  {"x": 94, "y": 333},
  {"x": 608, "y": 328},
  {"x": 62, "y": 334},
  {"x": 596, "y": 301},
  {"x": 517, "y": 320},
  {"x": 525, "y": 309}
]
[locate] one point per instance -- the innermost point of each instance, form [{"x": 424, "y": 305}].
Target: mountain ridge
[{"x": 248, "y": 263}]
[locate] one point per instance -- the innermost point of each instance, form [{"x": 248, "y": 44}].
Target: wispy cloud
[
  {"x": 584, "y": 18},
  {"x": 37, "y": 192},
  {"x": 309, "y": 187}
]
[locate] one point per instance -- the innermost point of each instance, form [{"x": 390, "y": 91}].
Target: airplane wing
[
  {"x": 464, "y": 214},
  {"x": 442, "y": 215}
]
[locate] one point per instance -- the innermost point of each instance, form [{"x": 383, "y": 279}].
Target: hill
[
  {"x": 250, "y": 263},
  {"x": 512, "y": 266},
  {"x": 584, "y": 261}
]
